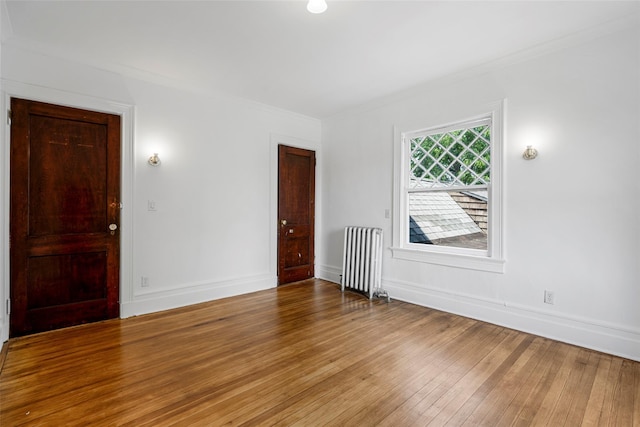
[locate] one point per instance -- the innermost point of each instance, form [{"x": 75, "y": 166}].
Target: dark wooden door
[
  {"x": 296, "y": 213},
  {"x": 65, "y": 216}
]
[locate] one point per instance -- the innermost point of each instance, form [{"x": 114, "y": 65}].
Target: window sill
[{"x": 471, "y": 262}]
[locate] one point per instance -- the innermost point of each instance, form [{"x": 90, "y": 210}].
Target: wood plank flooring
[{"x": 305, "y": 354}]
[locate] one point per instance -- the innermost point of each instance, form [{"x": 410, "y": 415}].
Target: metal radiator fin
[{"x": 362, "y": 262}]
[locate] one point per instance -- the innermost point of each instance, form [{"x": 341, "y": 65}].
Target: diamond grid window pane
[{"x": 457, "y": 157}]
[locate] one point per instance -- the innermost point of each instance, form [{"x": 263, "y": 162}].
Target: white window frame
[{"x": 492, "y": 259}]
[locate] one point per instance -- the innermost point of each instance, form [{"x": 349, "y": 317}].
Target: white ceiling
[{"x": 277, "y": 53}]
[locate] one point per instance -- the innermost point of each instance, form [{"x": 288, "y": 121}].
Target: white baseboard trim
[
  {"x": 328, "y": 273},
  {"x": 151, "y": 302},
  {"x": 4, "y": 331},
  {"x": 617, "y": 340}
]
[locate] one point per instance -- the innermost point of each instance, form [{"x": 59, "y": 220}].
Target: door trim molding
[
  {"x": 12, "y": 89},
  {"x": 275, "y": 140}
]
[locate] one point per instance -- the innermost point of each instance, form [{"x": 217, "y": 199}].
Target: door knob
[
  {"x": 283, "y": 222},
  {"x": 113, "y": 227}
]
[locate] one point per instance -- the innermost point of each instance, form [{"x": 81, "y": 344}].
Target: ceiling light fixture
[{"x": 317, "y": 6}]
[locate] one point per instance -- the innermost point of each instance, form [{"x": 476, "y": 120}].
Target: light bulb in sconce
[
  {"x": 530, "y": 153},
  {"x": 154, "y": 160},
  {"x": 317, "y": 6}
]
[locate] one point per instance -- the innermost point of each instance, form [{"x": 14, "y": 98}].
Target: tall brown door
[
  {"x": 296, "y": 207},
  {"x": 65, "y": 216}
]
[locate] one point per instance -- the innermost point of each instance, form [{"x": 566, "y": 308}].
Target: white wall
[
  {"x": 213, "y": 234},
  {"x": 572, "y": 215}
]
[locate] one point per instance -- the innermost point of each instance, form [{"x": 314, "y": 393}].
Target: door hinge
[
  {"x": 8, "y": 307},
  {"x": 9, "y": 117}
]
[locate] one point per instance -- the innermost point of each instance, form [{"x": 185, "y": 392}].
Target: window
[{"x": 448, "y": 193}]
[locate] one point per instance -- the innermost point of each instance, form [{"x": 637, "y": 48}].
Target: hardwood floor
[{"x": 306, "y": 354}]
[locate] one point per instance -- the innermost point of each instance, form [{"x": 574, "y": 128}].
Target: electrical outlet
[
  {"x": 549, "y": 297},
  {"x": 144, "y": 282}
]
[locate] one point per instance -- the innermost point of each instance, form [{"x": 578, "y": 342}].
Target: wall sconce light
[
  {"x": 530, "y": 153},
  {"x": 317, "y": 6},
  {"x": 154, "y": 160}
]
